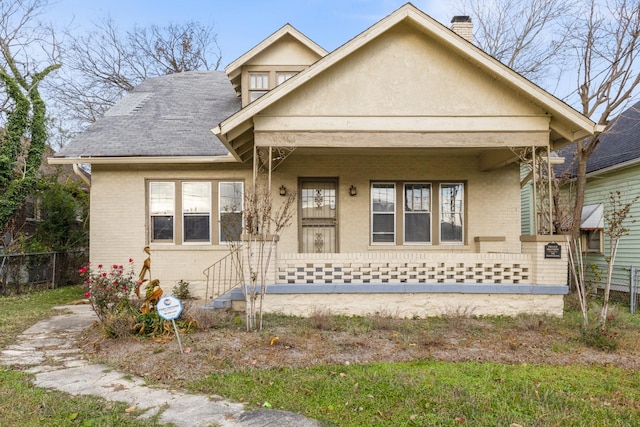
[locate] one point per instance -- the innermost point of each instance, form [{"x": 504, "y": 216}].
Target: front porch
[{"x": 415, "y": 284}]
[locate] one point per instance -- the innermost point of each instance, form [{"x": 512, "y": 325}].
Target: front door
[{"x": 318, "y": 217}]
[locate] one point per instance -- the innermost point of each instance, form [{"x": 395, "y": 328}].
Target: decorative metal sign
[
  {"x": 169, "y": 308},
  {"x": 553, "y": 250}
]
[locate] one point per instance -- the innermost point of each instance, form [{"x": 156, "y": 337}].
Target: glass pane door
[{"x": 318, "y": 207}]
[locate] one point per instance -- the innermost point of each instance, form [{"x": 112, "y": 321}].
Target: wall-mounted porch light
[
  {"x": 353, "y": 190},
  {"x": 283, "y": 190}
]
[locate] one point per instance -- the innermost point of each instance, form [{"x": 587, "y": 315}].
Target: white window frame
[
  {"x": 152, "y": 214},
  {"x": 222, "y": 211},
  {"x": 441, "y": 214},
  {"x": 257, "y": 90},
  {"x": 186, "y": 214},
  {"x": 284, "y": 76},
  {"x": 405, "y": 212},
  {"x": 393, "y": 213}
]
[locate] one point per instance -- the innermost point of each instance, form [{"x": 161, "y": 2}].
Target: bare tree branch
[
  {"x": 529, "y": 36},
  {"x": 106, "y": 63}
]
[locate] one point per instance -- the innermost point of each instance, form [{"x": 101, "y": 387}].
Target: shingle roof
[
  {"x": 170, "y": 115},
  {"x": 619, "y": 144}
]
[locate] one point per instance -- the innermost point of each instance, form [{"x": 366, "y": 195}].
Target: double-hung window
[
  {"x": 383, "y": 208},
  {"x": 183, "y": 212},
  {"x": 196, "y": 212},
  {"x": 283, "y": 76},
  {"x": 451, "y": 213},
  {"x": 230, "y": 210},
  {"x": 417, "y": 213},
  {"x": 432, "y": 213},
  {"x": 258, "y": 85},
  {"x": 161, "y": 210}
]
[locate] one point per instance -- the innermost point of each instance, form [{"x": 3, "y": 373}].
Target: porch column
[{"x": 549, "y": 259}]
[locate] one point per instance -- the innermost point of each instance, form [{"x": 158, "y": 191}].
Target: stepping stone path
[{"x": 49, "y": 350}]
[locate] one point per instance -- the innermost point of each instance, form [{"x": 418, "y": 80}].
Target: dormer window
[
  {"x": 282, "y": 77},
  {"x": 258, "y": 85}
]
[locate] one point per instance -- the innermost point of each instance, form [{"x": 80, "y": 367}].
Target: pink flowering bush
[{"x": 109, "y": 291}]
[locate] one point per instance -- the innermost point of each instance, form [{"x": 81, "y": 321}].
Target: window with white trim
[
  {"x": 196, "y": 212},
  {"x": 417, "y": 213},
  {"x": 432, "y": 213},
  {"x": 182, "y": 212},
  {"x": 283, "y": 76},
  {"x": 451, "y": 213},
  {"x": 231, "y": 198},
  {"x": 161, "y": 211},
  {"x": 258, "y": 85},
  {"x": 383, "y": 213}
]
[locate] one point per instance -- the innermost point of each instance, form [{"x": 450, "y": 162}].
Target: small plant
[
  {"x": 600, "y": 337},
  {"x": 181, "y": 290}
]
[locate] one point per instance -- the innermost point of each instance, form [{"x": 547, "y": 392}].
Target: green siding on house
[{"x": 627, "y": 181}]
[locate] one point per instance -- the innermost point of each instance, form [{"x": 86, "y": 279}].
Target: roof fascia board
[
  {"x": 441, "y": 33},
  {"x": 141, "y": 160}
]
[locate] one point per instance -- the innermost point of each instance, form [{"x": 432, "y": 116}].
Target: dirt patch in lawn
[{"x": 222, "y": 344}]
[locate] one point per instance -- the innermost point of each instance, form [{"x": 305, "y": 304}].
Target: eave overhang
[{"x": 140, "y": 160}]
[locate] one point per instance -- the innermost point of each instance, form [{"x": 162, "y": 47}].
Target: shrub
[
  {"x": 109, "y": 291},
  {"x": 181, "y": 290},
  {"x": 601, "y": 337}
]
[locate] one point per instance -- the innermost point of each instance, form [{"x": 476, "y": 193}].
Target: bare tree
[
  {"x": 529, "y": 36},
  {"x": 600, "y": 40},
  {"x": 608, "y": 74},
  {"x": 106, "y": 63}
]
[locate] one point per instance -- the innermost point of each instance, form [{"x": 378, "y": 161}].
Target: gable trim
[
  {"x": 234, "y": 69},
  {"x": 580, "y": 125}
]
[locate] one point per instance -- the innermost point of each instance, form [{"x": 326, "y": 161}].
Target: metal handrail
[{"x": 225, "y": 274}]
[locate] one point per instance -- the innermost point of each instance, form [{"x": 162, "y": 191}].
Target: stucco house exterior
[{"x": 401, "y": 146}]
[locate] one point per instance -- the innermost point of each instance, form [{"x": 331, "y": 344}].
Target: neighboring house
[
  {"x": 614, "y": 166},
  {"x": 400, "y": 146}
]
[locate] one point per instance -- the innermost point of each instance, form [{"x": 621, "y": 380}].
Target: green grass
[
  {"x": 19, "y": 312},
  {"x": 441, "y": 394},
  {"x": 21, "y": 403},
  {"x": 425, "y": 393}
]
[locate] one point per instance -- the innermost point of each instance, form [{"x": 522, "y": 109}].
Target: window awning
[{"x": 592, "y": 217}]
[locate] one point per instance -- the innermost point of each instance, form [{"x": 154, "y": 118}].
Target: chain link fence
[
  {"x": 625, "y": 284},
  {"x": 21, "y": 273}
]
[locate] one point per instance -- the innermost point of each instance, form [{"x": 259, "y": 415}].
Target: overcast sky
[{"x": 241, "y": 24}]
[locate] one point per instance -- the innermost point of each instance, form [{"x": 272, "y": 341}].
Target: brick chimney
[{"x": 463, "y": 26}]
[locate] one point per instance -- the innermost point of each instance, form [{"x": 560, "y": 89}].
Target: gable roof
[
  {"x": 234, "y": 69},
  {"x": 168, "y": 116},
  {"x": 619, "y": 146},
  {"x": 567, "y": 124}
]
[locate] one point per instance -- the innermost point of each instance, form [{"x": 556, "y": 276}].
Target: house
[
  {"x": 613, "y": 166},
  {"x": 401, "y": 146}
]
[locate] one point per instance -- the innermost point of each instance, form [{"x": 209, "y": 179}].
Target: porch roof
[{"x": 565, "y": 124}]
